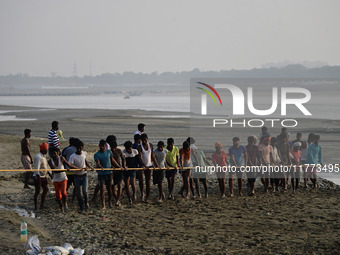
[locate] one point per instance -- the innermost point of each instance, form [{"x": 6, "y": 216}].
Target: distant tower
[{"x": 75, "y": 74}]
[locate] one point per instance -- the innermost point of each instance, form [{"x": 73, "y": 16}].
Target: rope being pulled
[
  {"x": 96, "y": 169},
  {"x": 141, "y": 169}
]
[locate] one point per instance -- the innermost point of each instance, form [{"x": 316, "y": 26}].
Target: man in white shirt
[
  {"x": 80, "y": 176},
  {"x": 40, "y": 180}
]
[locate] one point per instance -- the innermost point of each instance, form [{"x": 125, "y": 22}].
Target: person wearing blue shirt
[
  {"x": 314, "y": 156},
  {"x": 104, "y": 159},
  {"x": 238, "y": 157}
]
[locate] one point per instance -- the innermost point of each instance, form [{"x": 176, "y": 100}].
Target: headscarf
[{"x": 43, "y": 146}]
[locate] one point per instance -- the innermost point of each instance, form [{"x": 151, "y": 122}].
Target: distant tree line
[{"x": 166, "y": 78}]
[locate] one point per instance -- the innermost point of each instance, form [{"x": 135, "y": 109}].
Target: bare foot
[{"x": 223, "y": 196}]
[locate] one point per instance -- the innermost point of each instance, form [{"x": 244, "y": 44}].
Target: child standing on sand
[{"x": 219, "y": 158}]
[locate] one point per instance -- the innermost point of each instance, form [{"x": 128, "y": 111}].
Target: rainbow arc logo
[{"x": 209, "y": 93}]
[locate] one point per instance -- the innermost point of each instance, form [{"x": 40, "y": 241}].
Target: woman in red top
[{"x": 219, "y": 158}]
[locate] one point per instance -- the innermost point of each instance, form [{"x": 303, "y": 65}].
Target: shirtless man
[{"x": 26, "y": 157}]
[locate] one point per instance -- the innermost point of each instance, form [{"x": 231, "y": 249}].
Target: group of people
[{"x": 141, "y": 160}]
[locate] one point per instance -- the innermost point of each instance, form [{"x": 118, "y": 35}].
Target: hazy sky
[{"x": 40, "y": 37}]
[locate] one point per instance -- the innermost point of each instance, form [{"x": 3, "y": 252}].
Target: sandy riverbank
[{"x": 283, "y": 223}]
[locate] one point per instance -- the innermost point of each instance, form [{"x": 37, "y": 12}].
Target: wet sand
[{"x": 282, "y": 223}]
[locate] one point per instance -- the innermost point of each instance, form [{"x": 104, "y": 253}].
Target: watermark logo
[
  {"x": 250, "y": 100},
  {"x": 204, "y": 97},
  {"x": 239, "y": 99}
]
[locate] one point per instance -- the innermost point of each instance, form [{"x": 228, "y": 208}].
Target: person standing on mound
[
  {"x": 40, "y": 180},
  {"x": 26, "y": 157},
  {"x": 145, "y": 150}
]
